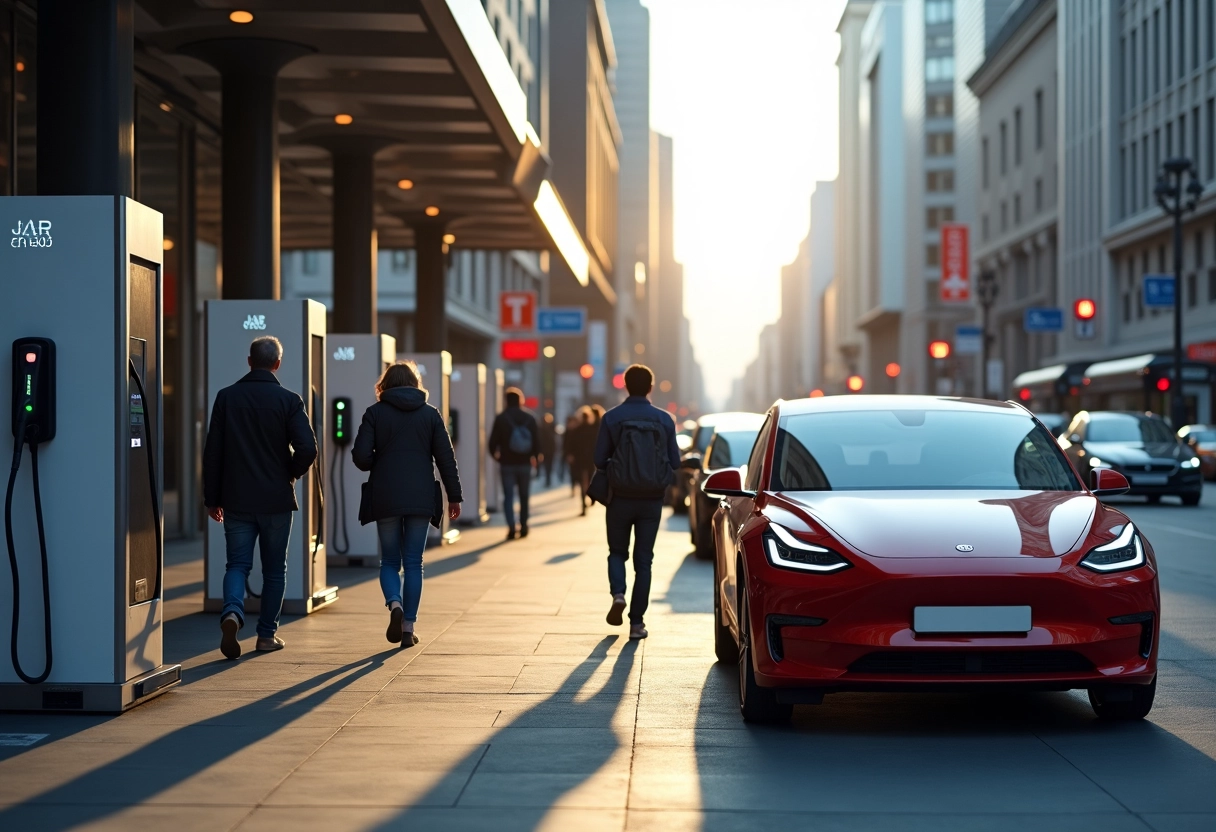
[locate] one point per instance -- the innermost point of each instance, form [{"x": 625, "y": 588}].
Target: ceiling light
[
  {"x": 166, "y": 106},
  {"x": 432, "y": 211},
  {"x": 167, "y": 245},
  {"x": 241, "y": 17},
  {"x": 343, "y": 118},
  {"x": 405, "y": 184},
  {"x": 449, "y": 238},
  {"x": 21, "y": 66}
]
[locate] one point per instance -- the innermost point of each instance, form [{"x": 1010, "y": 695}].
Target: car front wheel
[
  {"x": 1191, "y": 499},
  {"x": 756, "y": 704},
  {"x": 1123, "y": 702}
]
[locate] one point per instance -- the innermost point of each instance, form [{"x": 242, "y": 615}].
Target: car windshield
[
  {"x": 917, "y": 449},
  {"x": 732, "y": 448},
  {"x": 1124, "y": 427}
]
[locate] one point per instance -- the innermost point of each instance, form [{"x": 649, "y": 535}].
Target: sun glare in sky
[{"x": 747, "y": 91}]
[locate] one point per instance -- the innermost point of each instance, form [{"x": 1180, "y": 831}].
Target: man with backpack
[
  {"x": 637, "y": 448},
  {"x": 515, "y": 443}
]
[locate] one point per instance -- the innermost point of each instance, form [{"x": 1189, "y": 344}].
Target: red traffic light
[
  {"x": 618, "y": 381},
  {"x": 1084, "y": 309},
  {"x": 939, "y": 349},
  {"x": 1024, "y": 394},
  {"x": 855, "y": 383},
  {"x": 1163, "y": 384}
]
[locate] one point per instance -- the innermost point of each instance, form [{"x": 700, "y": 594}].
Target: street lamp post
[
  {"x": 1176, "y": 200},
  {"x": 987, "y": 289}
]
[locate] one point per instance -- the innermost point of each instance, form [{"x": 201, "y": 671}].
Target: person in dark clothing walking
[
  {"x": 401, "y": 441},
  {"x": 548, "y": 448},
  {"x": 637, "y": 447},
  {"x": 258, "y": 444},
  {"x": 515, "y": 443}
]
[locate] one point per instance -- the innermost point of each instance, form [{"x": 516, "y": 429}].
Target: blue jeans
[
  {"x": 515, "y": 476},
  {"x": 641, "y": 518},
  {"x": 402, "y": 540},
  {"x": 271, "y": 532}
]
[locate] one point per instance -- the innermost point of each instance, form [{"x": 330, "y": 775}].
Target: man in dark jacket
[
  {"x": 259, "y": 443},
  {"x": 637, "y": 446},
  {"x": 548, "y": 448},
  {"x": 515, "y": 443}
]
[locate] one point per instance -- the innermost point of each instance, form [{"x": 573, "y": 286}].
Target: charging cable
[
  {"x": 139, "y": 385},
  {"x": 20, "y": 440},
  {"x": 338, "y": 466}
]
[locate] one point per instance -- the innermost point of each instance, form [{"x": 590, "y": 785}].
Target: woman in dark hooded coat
[{"x": 401, "y": 441}]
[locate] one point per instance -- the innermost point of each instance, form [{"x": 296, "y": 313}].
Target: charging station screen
[{"x": 340, "y": 420}]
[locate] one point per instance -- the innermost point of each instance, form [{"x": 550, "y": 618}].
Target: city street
[{"x": 521, "y": 709}]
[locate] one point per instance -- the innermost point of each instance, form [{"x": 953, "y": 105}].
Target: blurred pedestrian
[
  {"x": 548, "y": 447},
  {"x": 401, "y": 441},
  {"x": 258, "y": 444},
  {"x": 637, "y": 447},
  {"x": 569, "y": 438},
  {"x": 582, "y": 452},
  {"x": 515, "y": 443}
]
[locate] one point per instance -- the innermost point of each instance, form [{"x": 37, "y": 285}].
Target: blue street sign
[
  {"x": 561, "y": 320},
  {"x": 1043, "y": 319},
  {"x": 968, "y": 340},
  {"x": 1158, "y": 290}
]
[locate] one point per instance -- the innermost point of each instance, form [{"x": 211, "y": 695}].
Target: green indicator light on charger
[
  {"x": 341, "y": 405},
  {"x": 339, "y": 434},
  {"x": 29, "y": 408}
]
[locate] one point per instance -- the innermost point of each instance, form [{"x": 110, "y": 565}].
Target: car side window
[
  {"x": 719, "y": 453},
  {"x": 755, "y": 463}
]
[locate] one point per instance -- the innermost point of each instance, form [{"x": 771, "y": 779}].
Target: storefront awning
[{"x": 1046, "y": 375}]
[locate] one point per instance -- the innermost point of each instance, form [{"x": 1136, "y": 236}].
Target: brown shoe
[
  {"x": 230, "y": 643},
  {"x": 269, "y": 645},
  {"x": 614, "y": 613},
  {"x": 637, "y": 631},
  {"x": 395, "y": 616}
]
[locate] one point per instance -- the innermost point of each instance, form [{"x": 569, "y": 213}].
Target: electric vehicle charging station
[
  {"x": 355, "y": 363},
  {"x": 229, "y": 328},
  {"x": 82, "y": 299},
  {"x": 435, "y": 368},
  {"x": 495, "y": 384},
  {"x": 468, "y": 387}
]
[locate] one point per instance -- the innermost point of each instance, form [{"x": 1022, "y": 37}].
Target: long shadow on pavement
[
  {"x": 524, "y": 780},
  {"x": 175, "y": 757}
]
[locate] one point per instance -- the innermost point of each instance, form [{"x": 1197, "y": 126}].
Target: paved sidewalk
[{"x": 521, "y": 709}]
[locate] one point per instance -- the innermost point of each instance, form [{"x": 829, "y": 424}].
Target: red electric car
[{"x": 923, "y": 543}]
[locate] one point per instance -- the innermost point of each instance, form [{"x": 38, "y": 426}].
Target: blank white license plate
[
  {"x": 971, "y": 619},
  {"x": 1150, "y": 479}
]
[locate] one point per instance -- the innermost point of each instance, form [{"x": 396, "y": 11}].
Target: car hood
[
  {"x": 995, "y": 524},
  {"x": 1131, "y": 453}
]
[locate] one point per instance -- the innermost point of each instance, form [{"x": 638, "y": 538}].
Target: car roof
[
  {"x": 739, "y": 421},
  {"x": 853, "y": 403},
  {"x": 711, "y": 419},
  {"x": 1139, "y": 414}
]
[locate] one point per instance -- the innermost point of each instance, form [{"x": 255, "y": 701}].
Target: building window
[
  {"x": 1004, "y": 149},
  {"x": 310, "y": 262},
  {"x": 933, "y": 255},
  {"x": 1199, "y": 249},
  {"x": 939, "y": 11},
  {"x": 1017, "y": 209},
  {"x": 1131, "y": 81},
  {"x": 940, "y": 105},
  {"x": 1192, "y": 290},
  {"x": 939, "y": 69},
  {"x": 1017, "y": 136},
  {"x": 1210, "y": 167},
  {"x": 934, "y": 217},
  {"x": 939, "y": 181},
  {"x": 1038, "y": 195},
  {"x": 1169, "y": 42},
  {"x": 939, "y": 42},
  {"x": 400, "y": 261},
  {"x": 1038, "y": 119},
  {"x": 984, "y": 162},
  {"x": 940, "y": 144}
]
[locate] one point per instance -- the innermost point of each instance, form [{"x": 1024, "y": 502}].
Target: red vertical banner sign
[{"x": 956, "y": 264}]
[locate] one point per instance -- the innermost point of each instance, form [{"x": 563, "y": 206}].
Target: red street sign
[
  {"x": 520, "y": 350},
  {"x": 956, "y": 264},
  {"x": 1205, "y": 351},
  {"x": 517, "y": 311}
]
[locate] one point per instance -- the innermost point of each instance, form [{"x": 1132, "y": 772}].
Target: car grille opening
[{"x": 961, "y": 663}]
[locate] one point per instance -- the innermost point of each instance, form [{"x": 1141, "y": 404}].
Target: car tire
[
  {"x": 1123, "y": 702},
  {"x": 724, "y": 641},
  {"x": 756, "y": 704},
  {"x": 1153, "y": 499},
  {"x": 1191, "y": 499}
]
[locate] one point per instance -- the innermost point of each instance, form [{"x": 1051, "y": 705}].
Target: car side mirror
[
  {"x": 692, "y": 462},
  {"x": 727, "y": 482},
  {"x": 1105, "y": 482}
]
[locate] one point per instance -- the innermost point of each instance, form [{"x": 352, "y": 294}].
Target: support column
[
  {"x": 430, "y": 289},
  {"x": 86, "y": 95},
  {"x": 249, "y": 68}
]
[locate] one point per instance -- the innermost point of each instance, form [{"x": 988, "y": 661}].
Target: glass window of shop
[{"x": 18, "y": 77}]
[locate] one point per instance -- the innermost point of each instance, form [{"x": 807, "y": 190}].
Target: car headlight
[
  {"x": 1124, "y": 552},
  {"x": 1094, "y": 462},
  {"x": 788, "y": 552},
  {"x": 1193, "y": 462}
]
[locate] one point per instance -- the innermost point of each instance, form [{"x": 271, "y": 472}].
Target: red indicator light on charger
[{"x": 31, "y": 357}]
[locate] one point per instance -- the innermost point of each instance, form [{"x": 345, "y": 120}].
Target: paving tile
[{"x": 457, "y": 819}]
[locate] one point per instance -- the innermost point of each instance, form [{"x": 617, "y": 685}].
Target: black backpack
[{"x": 639, "y": 467}]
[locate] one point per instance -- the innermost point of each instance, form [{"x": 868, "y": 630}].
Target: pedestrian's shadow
[
  {"x": 157, "y": 766},
  {"x": 524, "y": 773}
]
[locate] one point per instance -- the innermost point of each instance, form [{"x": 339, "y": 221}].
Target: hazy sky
[{"x": 748, "y": 93}]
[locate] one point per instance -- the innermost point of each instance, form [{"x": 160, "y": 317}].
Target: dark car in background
[
  {"x": 702, "y": 433},
  {"x": 1140, "y": 446},
  {"x": 729, "y": 447},
  {"x": 1202, "y": 440}
]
